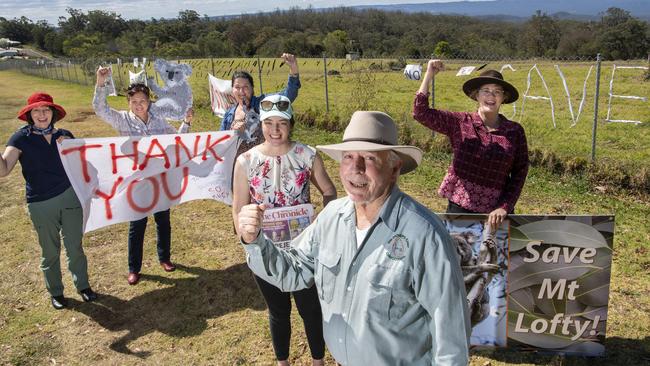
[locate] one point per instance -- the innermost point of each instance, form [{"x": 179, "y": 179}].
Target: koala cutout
[{"x": 175, "y": 97}]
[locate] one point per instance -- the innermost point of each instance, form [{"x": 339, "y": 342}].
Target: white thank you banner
[{"x": 120, "y": 179}]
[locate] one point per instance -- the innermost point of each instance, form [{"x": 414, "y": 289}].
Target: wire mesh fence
[{"x": 559, "y": 91}]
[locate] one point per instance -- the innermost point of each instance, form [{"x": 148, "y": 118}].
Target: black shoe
[
  {"x": 88, "y": 295},
  {"x": 59, "y": 302}
]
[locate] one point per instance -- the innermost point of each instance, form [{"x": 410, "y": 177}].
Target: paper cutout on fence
[
  {"x": 175, "y": 96},
  {"x": 111, "y": 84},
  {"x": 221, "y": 97},
  {"x": 612, "y": 95},
  {"x": 119, "y": 61},
  {"x": 138, "y": 77},
  {"x": 120, "y": 179},
  {"x": 574, "y": 118},
  {"x": 514, "y": 104},
  {"x": 135, "y": 62},
  {"x": 536, "y": 97},
  {"x": 465, "y": 70},
  {"x": 413, "y": 72},
  {"x": 143, "y": 64},
  {"x": 507, "y": 66}
]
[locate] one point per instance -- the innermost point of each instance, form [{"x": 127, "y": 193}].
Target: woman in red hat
[
  {"x": 490, "y": 161},
  {"x": 53, "y": 205}
]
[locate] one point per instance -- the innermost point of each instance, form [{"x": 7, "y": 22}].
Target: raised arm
[
  {"x": 444, "y": 122},
  {"x": 100, "y": 105},
  {"x": 433, "y": 68},
  {"x": 293, "y": 83},
  {"x": 8, "y": 160},
  {"x": 322, "y": 181}
]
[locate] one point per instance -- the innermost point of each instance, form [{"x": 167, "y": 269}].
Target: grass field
[{"x": 210, "y": 312}]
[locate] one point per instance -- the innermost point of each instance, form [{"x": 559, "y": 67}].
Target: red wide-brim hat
[{"x": 40, "y": 99}]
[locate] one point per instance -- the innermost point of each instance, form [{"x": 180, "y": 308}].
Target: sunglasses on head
[
  {"x": 138, "y": 88},
  {"x": 282, "y": 105}
]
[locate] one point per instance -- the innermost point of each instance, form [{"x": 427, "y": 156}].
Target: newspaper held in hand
[{"x": 283, "y": 224}]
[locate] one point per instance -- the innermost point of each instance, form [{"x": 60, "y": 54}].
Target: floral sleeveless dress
[{"x": 280, "y": 181}]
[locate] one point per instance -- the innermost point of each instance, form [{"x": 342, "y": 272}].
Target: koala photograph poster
[
  {"x": 483, "y": 257},
  {"x": 538, "y": 283}
]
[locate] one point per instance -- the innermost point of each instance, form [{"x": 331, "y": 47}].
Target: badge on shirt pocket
[{"x": 396, "y": 247}]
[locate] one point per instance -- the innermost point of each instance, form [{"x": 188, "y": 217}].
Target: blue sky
[{"x": 145, "y": 9}]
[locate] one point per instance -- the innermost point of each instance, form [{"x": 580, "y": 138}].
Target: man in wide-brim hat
[{"x": 385, "y": 268}]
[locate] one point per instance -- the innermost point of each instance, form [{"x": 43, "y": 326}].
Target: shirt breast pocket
[
  {"x": 390, "y": 296},
  {"x": 330, "y": 266}
]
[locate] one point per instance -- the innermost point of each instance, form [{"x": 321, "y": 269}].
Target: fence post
[
  {"x": 593, "y": 129},
  {"x": 212, "y": 64},
  {"x": 259, "y": 73},
  {"x": 119, "y": 76},
  {"x": 327, "y": 98},
  {"x": 67, "y": 68},
  {"x": 56, "y": 70},
  {"x": 155, "y": 73},
  {"x": 433, "y": 92},
  {"x": 76, "y": 75},
  {"x": 61, "y": 71}
]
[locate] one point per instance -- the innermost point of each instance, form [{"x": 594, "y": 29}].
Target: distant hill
[{"x": 515, "y": 10}]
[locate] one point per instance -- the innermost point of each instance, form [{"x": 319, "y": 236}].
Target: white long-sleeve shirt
[{"x": 127, "y": 123}]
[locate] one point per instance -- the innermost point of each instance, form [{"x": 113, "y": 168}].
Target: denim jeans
[{"x": 136, "y": 239}]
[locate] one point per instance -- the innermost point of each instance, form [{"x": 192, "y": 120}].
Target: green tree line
[{"x": 309, "y": 33}]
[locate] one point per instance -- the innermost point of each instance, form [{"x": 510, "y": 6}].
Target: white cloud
[{"x": 147, "y": 9}]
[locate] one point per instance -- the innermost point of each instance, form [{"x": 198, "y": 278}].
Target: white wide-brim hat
[{"x": 373, "y": 131}]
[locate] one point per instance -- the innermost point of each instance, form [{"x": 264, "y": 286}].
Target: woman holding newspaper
[
  {"x": 139, "y": 121},
  {"x": 278, "y": 173},
  {"x": 490, "y": 161},
  {"x": 52, "y": 203},
  {"x": 244, "y": 115}
]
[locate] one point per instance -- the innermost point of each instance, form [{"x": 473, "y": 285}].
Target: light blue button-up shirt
[{"x": 399, "y": 299}]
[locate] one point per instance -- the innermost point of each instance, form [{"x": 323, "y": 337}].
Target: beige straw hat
[{"x": 373, "y": 131}]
